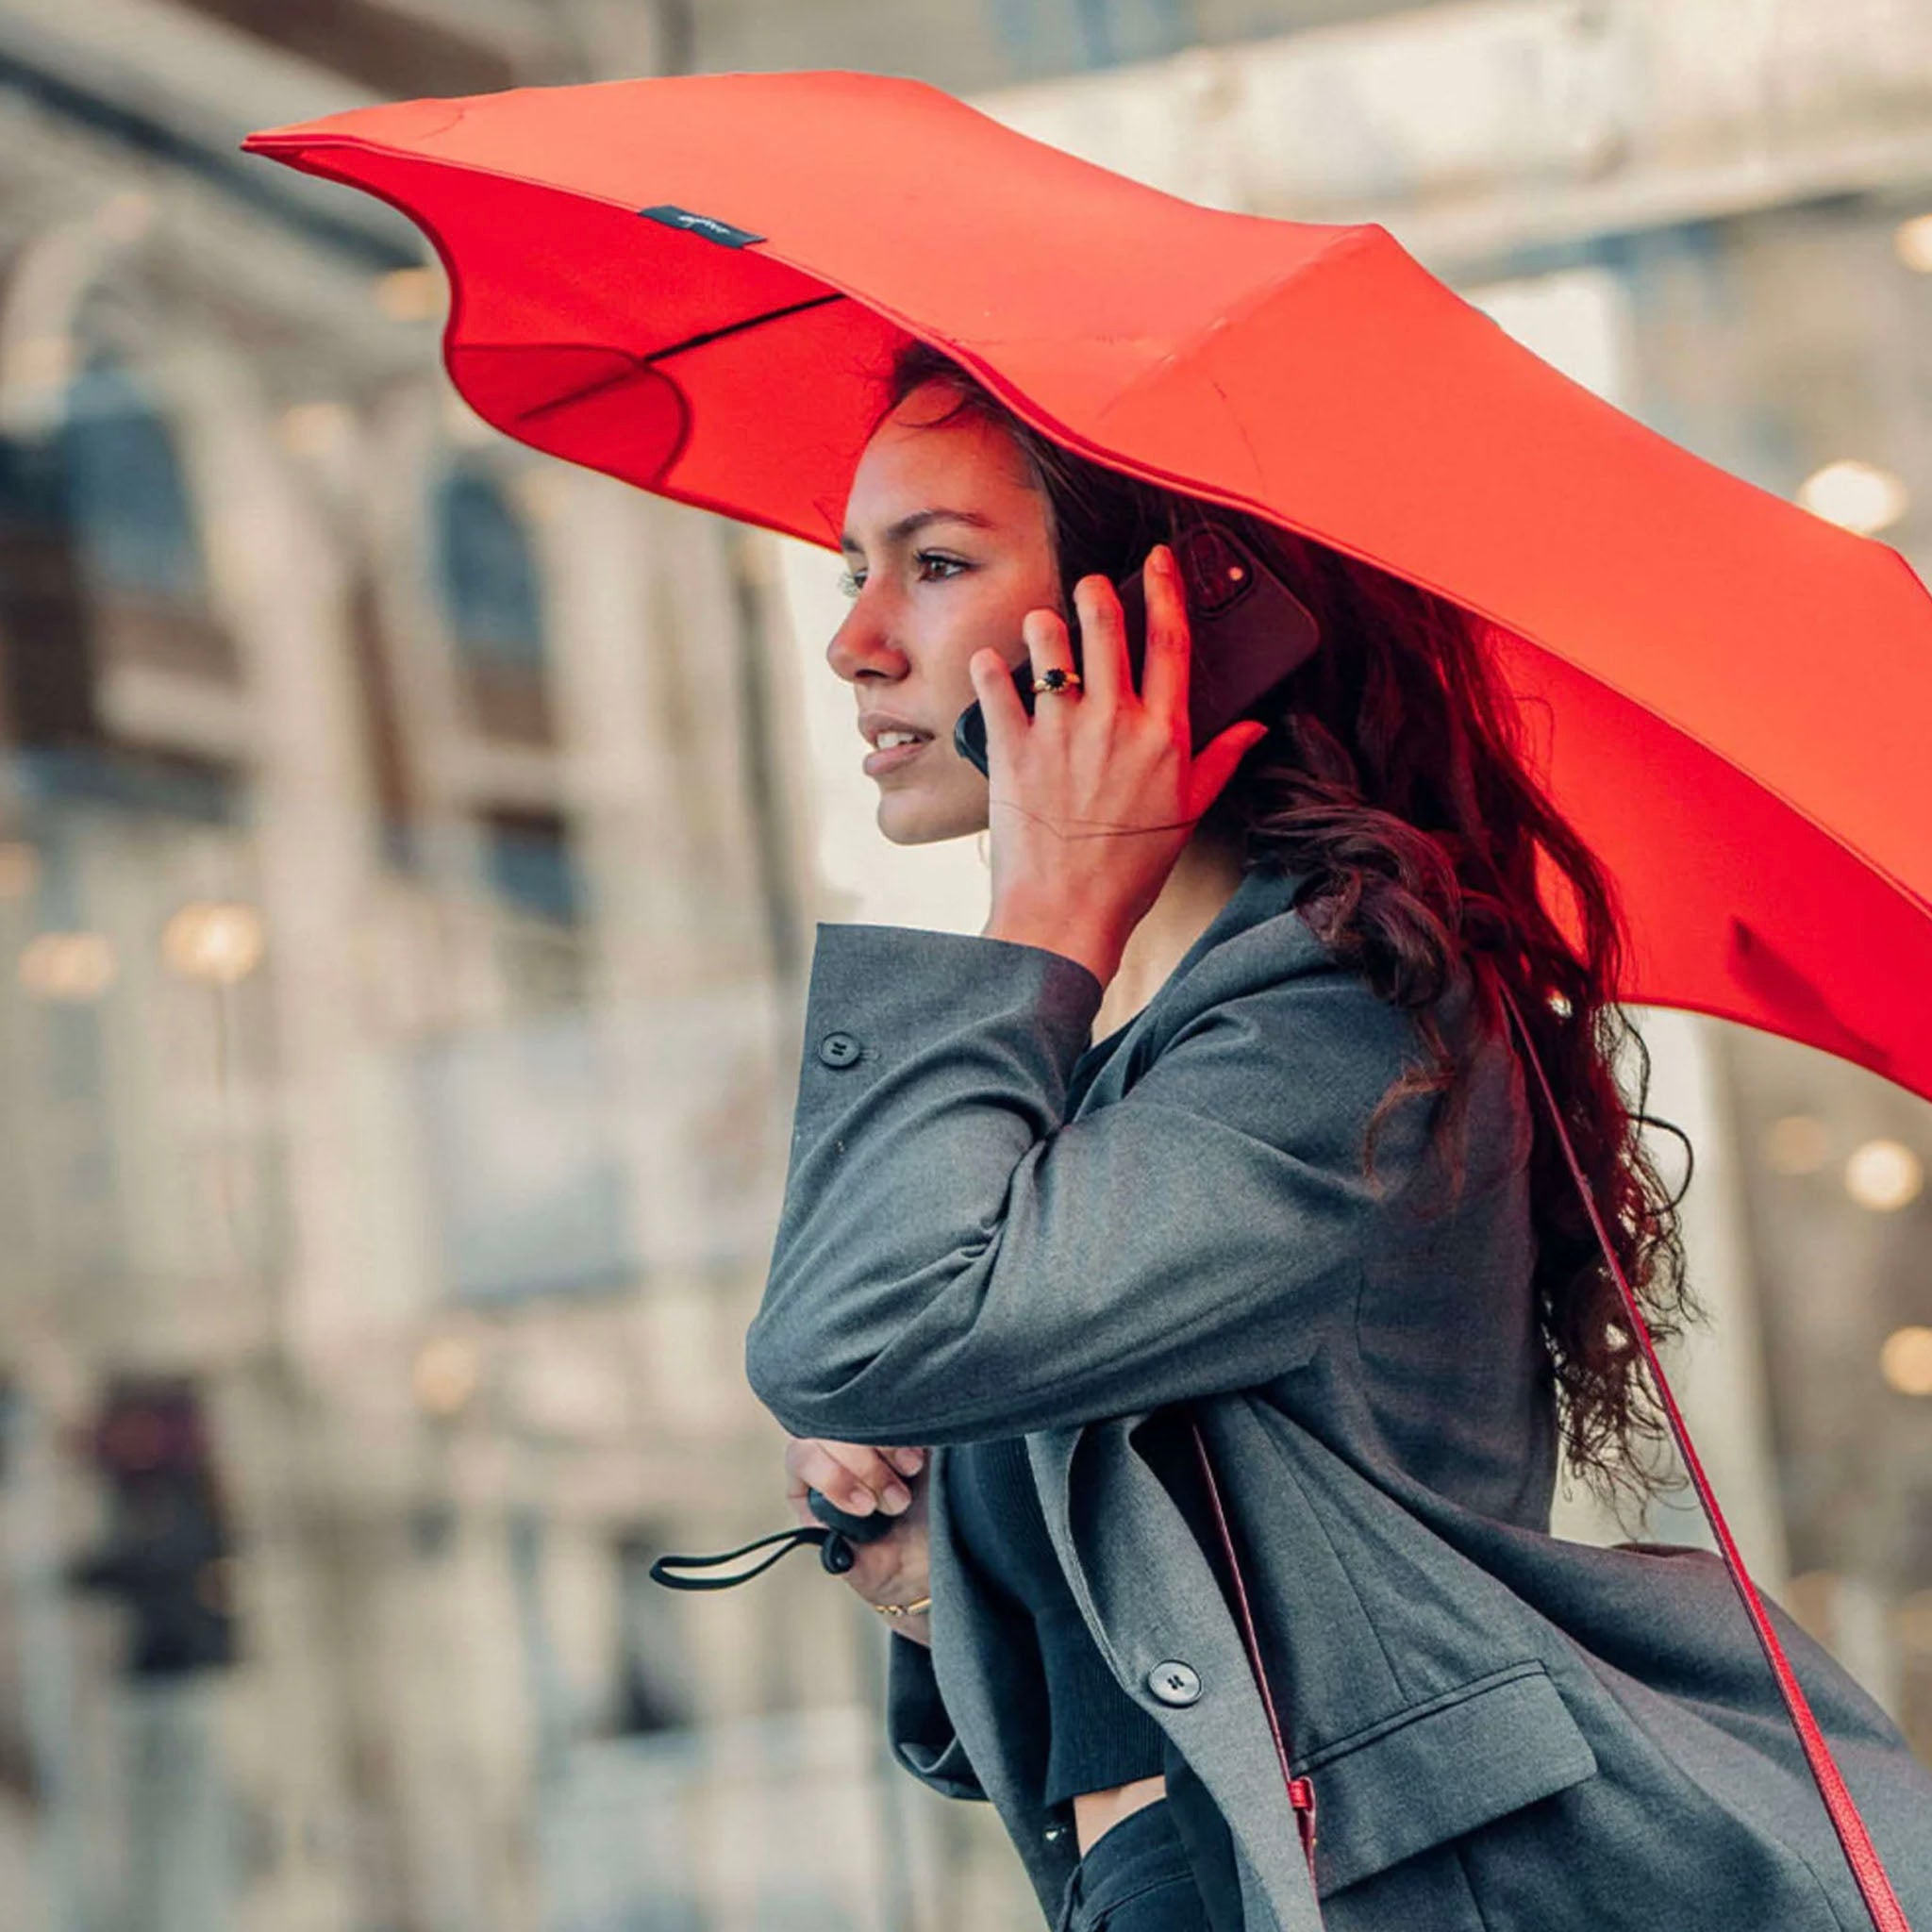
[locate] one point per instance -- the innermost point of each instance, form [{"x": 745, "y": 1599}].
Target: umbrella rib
[
  {"x": 732, "y": 329},
  {"x": 657, "y": 355}
]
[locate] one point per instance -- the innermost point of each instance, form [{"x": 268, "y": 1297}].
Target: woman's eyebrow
[{"x": 899, "y": 532}]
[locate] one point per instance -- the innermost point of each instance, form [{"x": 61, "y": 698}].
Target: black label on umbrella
[{"x": 710, "y": 227}]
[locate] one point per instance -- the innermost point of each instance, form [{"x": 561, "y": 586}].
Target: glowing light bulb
[
  {"x": 1906, "y": 1360},
  {"x": 1913, "y": 242},
  {"x": 1884, "y": 1175},
  {"x": 209, "y": 940},
  {"x": 1856, "y": 496}
]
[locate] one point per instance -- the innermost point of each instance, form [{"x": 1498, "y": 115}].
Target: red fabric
[{"x": 1740, "y": 692}]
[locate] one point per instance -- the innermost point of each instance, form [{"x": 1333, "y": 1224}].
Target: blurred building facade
[{"x": 409, "y": 849}]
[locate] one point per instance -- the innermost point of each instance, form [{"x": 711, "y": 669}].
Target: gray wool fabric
[{"x": 1505, "y": 1732}]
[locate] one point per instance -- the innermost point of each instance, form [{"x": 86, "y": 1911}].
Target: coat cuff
[
  {"x": 900, "y": 988},
  {"x": 918, "y": 1729}
]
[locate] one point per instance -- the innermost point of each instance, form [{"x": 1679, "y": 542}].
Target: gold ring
[{"x": 1057, "y": 679}]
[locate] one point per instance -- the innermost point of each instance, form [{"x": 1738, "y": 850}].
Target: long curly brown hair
[{"x": 1393, "y": 775}]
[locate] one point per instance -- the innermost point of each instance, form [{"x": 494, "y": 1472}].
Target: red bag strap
[
  {"x": 1868, "y": 1869},
  {"x": 1301, "y": 1791}
]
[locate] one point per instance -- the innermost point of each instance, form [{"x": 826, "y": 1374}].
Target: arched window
[
  {"x": 491, "y": 587},
  {"x": 101, "y": 574},
  {"x": 128, "y": 500},
  {"x": 136, "y": 542}
]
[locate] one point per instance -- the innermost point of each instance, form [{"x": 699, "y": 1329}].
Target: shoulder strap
[
  {"x": 1874, "y": 1887},
  {"x": 1301, "y": 1790}
]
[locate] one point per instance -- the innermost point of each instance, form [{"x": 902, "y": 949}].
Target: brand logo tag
[{"x": 710, "y": 227}]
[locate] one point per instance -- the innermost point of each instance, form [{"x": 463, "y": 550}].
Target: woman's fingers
[
  {"x": 891, "y": 1568},
  {"x": 1168, "y": 659},
  {"x": 855, "y": 1478}
]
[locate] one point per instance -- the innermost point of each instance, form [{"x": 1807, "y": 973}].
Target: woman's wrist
[
  {"x": 903, "y": 1606},
  {"x": 915, "y": 1625},
  {"x": 1099, "y": 952}
]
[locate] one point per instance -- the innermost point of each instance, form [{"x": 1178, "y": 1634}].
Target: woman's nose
[{"x": 859, "y": 644}]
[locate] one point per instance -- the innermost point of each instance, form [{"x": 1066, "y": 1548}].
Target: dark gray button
[
  {"x": 837, "y": 1049},
  {"x": 1175, "y": 1682}
]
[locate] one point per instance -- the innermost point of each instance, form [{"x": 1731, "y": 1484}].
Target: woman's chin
[{"x": 905, "y": 819}]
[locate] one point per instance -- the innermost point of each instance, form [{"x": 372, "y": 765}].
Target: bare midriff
[{"x": 1095, "y": 1813}]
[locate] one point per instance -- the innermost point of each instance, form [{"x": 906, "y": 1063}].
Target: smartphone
[{"x": 1248, "y": 631}]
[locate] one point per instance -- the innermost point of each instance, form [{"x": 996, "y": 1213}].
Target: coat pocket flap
[{"x": 1439, "y": 1769}]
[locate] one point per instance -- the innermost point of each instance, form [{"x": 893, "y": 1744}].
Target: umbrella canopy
[{"x": 695, "y": 283}]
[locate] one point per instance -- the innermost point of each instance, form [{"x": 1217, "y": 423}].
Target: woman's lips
[{"x": 881, "y": 762}]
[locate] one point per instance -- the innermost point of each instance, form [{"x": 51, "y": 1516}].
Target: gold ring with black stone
[{"x": 1056, "y": 679}]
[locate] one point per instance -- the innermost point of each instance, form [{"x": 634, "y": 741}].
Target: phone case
[{"x": 1249, "y": 631}]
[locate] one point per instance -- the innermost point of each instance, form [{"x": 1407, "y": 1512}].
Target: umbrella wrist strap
[{"x": 1874, "y": 1887}]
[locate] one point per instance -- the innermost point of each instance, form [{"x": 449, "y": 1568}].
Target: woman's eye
[{"x": 852, "y": 585}]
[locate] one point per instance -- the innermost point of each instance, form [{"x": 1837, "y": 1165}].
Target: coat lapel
[
  {"x": 1155, "y": 1601},
  {"x": 976, "y": 1643}
]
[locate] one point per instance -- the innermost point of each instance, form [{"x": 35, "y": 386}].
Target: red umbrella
[{"x": 695, "y": 283}]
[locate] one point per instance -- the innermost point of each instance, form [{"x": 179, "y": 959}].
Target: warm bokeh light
[
  {"x": 1906, "y": 1360},
  {"x": 410, "y": 295},
  {"x": 1796, "y": 1145},
  {"x": 1913, "y": 240},
  {"x": 70, "y": 966},
  {"x": 214, "y": 941},
  {"x": 1858, "y": 496},
  {"x": 1884, "y": 1175},
  {"x": 445, "y": 1375}
]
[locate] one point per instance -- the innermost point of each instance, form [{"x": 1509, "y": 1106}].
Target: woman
[{"x": 1219, "y": 1115}]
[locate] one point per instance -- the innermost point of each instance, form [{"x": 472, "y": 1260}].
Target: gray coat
[{"x": 1506, "y": 1732}]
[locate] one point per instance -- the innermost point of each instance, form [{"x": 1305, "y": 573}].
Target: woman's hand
[
  {"x": 858, "y": 1478},
  {"x": 1094, "y": 797}
]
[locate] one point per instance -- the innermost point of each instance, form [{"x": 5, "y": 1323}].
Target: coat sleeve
[
  {"x": 918, "y": 1729},
  {"x": 954, "y": 1261}
]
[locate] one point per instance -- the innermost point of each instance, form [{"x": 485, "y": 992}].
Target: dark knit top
[{"x": 1100, "y": 1737}]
